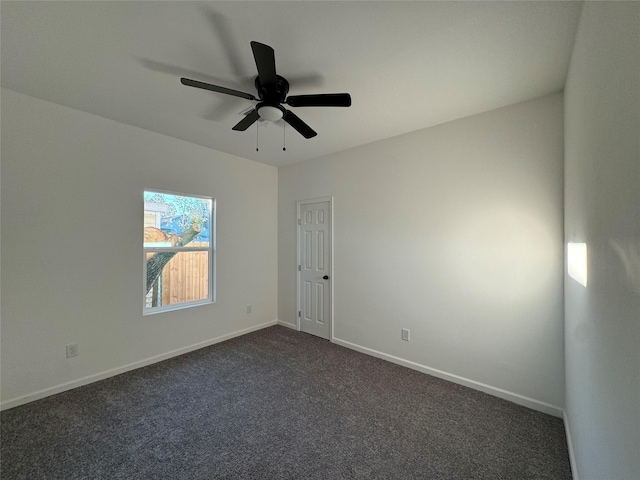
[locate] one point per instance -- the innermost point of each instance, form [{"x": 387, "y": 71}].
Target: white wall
[
  {"x": 454, "y": 232},
  {"x": 602, "y": 198},
  {"x": 72, "y": 188}
]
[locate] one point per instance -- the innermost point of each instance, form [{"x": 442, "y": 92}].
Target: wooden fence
[{"x": 186, "y": 277}]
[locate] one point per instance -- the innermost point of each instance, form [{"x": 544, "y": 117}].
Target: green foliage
[{"x": 189, "y": 210}]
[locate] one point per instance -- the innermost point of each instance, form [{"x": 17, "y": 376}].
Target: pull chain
[
  {"x": 284, "y": 136},
  {"x": 257, "y": 135}
]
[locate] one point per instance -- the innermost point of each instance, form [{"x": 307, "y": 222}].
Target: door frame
[{"x": 299, "y": 203}]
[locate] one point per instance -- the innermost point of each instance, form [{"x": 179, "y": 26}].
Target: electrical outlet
[
  {"x": 405, "y": 334},
  {"x": 72, "y": 350},
  {"x": 249, "y": 308}
]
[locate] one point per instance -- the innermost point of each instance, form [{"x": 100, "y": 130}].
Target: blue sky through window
[{"x": 179, "y": 212}]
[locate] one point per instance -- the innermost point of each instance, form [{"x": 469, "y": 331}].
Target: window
[{"x": 179, "y": 238}]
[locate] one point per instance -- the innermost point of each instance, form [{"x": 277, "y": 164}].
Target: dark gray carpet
[{"x": 279, "y": 404}]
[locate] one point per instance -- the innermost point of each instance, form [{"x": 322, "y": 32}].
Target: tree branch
[{"x": 156, "y": 264}]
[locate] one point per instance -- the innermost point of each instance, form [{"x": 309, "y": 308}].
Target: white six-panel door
[{"x": 314, "y": 266}]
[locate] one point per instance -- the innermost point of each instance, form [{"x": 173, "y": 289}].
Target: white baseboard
[
  {"x": 288, "y": 325},
  {"x": 14, "y": 402},
  {"x": 514, "y": 397},
  {"x": 496, "y": 392},
  {"x": 572, "y": 458}
]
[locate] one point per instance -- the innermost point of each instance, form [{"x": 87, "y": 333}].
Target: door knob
[{"x": 326, "y": 277}]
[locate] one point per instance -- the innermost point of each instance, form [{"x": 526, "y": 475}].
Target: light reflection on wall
[
  {"x": 629, "y": 254},
  {"x": 577, "y": 262}
]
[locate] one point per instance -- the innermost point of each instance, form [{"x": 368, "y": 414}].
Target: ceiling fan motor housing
[{"x": 270, "y": 95}]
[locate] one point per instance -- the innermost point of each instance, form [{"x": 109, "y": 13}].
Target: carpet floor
[{"x": 279, "y": 404}]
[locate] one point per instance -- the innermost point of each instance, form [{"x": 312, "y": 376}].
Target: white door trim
[{"x": 299, "y": 203}]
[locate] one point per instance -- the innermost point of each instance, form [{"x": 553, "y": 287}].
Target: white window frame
[{"x": 211, "y": 297}]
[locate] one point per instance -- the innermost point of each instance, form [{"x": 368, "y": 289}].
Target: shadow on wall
[{"x": 500, "y": 252}]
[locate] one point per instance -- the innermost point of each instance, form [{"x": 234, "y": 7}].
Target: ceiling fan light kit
[
  {"x": 272, "y": 93},
  {"x": 268, "y": 112}
]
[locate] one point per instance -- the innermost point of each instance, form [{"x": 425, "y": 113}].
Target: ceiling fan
[{"x": 272, "y": 93}]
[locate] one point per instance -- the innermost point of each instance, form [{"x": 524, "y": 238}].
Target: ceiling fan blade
[
  {"x": 265, "y": 63},
  {"x": 320, "y": 100},
  {"x": 215, "y": 88},
  {"x": 247, "y": 121},
  {"x": 303, "y": 129}
]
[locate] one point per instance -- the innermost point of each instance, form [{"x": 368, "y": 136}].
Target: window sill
[{"x": 179, "y": 306}]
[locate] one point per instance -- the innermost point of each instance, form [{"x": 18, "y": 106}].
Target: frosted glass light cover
[{"x": 272, "y": 114}]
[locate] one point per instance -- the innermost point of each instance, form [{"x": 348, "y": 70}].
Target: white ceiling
[{"x": 407, "y": 65}]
